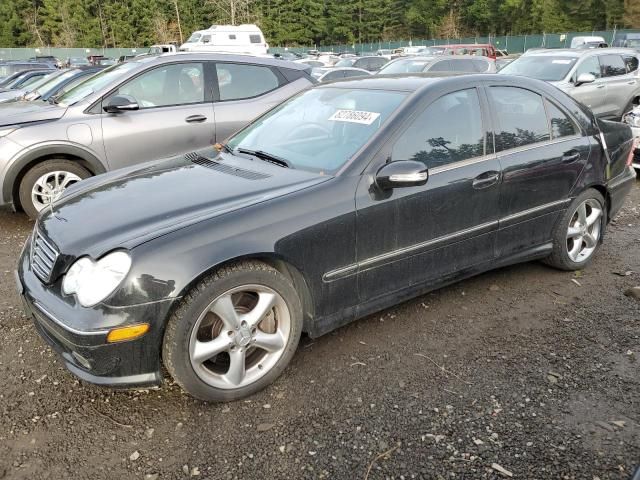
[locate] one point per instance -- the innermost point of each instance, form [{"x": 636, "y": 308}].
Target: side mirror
[
  {"x": 121, "y": 103},
  {"x": 402, "y": 173},
  {"x": 585, "y": 78}
]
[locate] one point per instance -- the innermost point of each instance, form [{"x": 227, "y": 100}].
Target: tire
[
  {"x": 565, "y": 240},
  {"x": 65, "y": 172},
  {"x": 195, "y": 327}
]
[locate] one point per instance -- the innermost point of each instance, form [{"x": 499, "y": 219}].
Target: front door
[
  {"x": 542, "y": 153},
  {"x": 593, "y": 95},
  {"x": 175, "y": 115},
  {"x": 413, "y": 236}
]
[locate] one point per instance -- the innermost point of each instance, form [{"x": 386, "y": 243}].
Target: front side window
[
  {"x": 521, "y": 117},
  {"x": 589, "y": 65},
  {"x": 561, "y": 124},
  {"x": 194, "y": 38},
  {"x": 612, "y": 65},
  {"x": 238, "y": 81},
  {"x": 449, "y": 130},
  {"x": 320, "y": 129},
  {"x": 176, "y": 84},
  {"x": 631, "y": 61}
]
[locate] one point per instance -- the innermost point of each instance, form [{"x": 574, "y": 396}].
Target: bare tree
[
  {"x": 233, "y": 11},
  {"x": 32, "y": 19}
]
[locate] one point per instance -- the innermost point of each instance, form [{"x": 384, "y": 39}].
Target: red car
[{"x": 483, "y": 49}]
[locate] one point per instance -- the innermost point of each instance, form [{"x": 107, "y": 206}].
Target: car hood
[
  {"x": 15, "y": 113},
  {"x": 125, "y": 208}
]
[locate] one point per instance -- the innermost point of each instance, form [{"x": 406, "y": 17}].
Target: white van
[
  {"x": 246, "y": 39},
  {"x": 577, "y": 41}
]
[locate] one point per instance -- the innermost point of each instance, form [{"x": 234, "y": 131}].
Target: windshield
[
  {"x": 53, "y": 81},
  {"x": 550, "y": 69},
  {"x": 345, "y": 62},
  {"x": 320, "y": 129},
  {"x": 95, "y": 83},
  {"x": 405, "y": 66},
  {"x": 194, "y": 38}
]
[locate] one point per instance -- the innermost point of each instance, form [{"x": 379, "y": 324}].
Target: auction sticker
[{"x": 354, "y": 116}]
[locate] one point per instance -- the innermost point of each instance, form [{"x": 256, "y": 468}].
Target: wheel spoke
[
  {"x": 575, "y": 250},
  {"x": 596, "y": 213},
  {"x": 203, "y": 351},
  {"x": 582, "y": 214},
  {"x": 236, "y": 371},
  {"x": 225, "y": 309},
  {"x": 266, "y": 301},
  {"x": 589, "y": 240},
  {"x": 271, "y": 342},
  {"x": 573, "y": 232},
  {"x": 67, "y": 179}
]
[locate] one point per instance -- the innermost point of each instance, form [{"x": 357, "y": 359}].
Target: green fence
[{"x": 512, "y": 44}]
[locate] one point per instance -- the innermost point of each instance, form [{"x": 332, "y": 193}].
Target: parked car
[
  {"x": 605, "y": 80},
  {"x": 11, "y": 78},
  {"x": 462, "y": 63},
  {"x": 133, "y": 112},
  {"x": 23, "y": 84},
  {"x": 291, "y": 56},
  {"x": 369, "y": 63},
  {"x": 124, "y": 58},
  {"x": 105, "y": 62},
  {"x": 74, "y": 62},
  {"x": 384, "y": 52},
  {"x": 578, "y": 41},
  {"x": 311, "y": 63},
  {"x": 627, "y": 40},
  {"x": 159, "y": 49},
  {"x": 503, "y": 61},
  {"x": 347, "y": 199},
  {"x": 11, "y": 67},
  {"x": 50, "y": 60},
  {"x": 480, "y": 49},
  {"x": 60, "y": 84},
  {"x": 591, "y": 45},
  {"x": 330, "y": 74},
  {"x": 632, "y": 119},
  {"x": 243, "y": 39},
  {"x": 19, "y": 78}
]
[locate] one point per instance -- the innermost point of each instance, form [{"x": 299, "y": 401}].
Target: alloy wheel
[
  {"x": 240, "y": 336},
  {"x": 584, "y": 230},
  {"x": 50, "y": 186}
]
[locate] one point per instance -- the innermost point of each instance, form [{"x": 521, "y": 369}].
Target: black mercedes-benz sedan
[{"x": 346, "y": 199}]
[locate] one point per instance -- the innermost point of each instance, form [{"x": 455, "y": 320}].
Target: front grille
[
  {"x": 224, "y": 168},
  {"x": 43, "y": 256}
]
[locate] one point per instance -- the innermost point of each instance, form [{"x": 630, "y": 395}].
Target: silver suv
[
  {"x": 144, "y": 109},
  {"x": 606, "y": 80}
]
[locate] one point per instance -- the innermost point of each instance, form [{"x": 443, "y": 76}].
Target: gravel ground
[{"x": 524, "y": 369}]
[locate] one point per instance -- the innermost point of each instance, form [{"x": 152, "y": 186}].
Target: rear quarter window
[{"x": 255, "y": 38}]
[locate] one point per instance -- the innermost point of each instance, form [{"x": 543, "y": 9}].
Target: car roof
[
  {"x": 216, "y": 56},
  {"x": 394, "y": 82},
  {"x": 575, "y": 52}
]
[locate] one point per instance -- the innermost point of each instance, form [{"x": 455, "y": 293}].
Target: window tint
[
  {"x": 353, "y": 73},
  {"x": 612, "y": 65},
  {"x": 449, "y": 130},
  {"x": 441, "y": 66},
  {"x": 521, "y": 117},
  {"x": 589, "y": 65},
  {"x": 255, "y": 39},
  {"x": 377, "y": 63},
  {"x": 177, "y": 84},
  {"x": 561, "y": 124},
  {"x": 631, "y": 62},
  {"x": 362, "y": 63},
  {"x": 333, "y": 75},
  {"x": 239, "y": 81}
]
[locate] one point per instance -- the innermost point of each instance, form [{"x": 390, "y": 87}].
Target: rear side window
[
  {"x": 561, "y": 124},
  {"x": 377, "y": 63},
  {"x": 463, "y": 65},
  {"x": 480, "y": 66},
  {"x": 441, "y": 66},
  {"x": 238, "y": 81},
  {"x": 612, "y": 65},
  {"x": 333, "y": 76},
  {"x": 449, "y": 130},
  {"x": 255, "y": 39},
  {"x": 589, "y": 65},
  {"x": 521, "y": 117},
  {"x": 362, "y": 63}
]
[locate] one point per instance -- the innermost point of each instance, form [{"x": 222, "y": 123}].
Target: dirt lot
[{"x": 526, "y": 367}]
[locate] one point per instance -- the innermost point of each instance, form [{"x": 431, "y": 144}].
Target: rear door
[
  {"x": 542, "y": 152},
  {"x": 621, "y": 85},
  {"x": 175, "y": 115},
  {"x": 244, "y": 92}
]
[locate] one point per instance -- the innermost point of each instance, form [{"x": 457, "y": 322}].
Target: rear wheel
[
  {"x": 46, "y": 182},
  {"x": 578, "y": 234},
  {"x": 234, "y": 333}
]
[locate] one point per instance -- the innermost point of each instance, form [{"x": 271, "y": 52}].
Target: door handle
[
  {"x": 600, "y": 86},
  {"x": 195, "y": 119},
  {"x": 486, "y": 179},
  {"x": 570, "y": 156}
]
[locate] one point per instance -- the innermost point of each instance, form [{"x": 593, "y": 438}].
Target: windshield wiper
[
  {"x": 267, "y": 157},
  {"x": 53, "y": 99},
  {"x": 223, "y": 146}
]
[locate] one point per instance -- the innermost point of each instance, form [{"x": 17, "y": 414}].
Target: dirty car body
[{"x": 349, "y": 244}]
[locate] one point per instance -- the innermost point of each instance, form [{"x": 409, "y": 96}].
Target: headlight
[
  {"x": 92, "y": 282},
  {"x": 6, "y": 131}
]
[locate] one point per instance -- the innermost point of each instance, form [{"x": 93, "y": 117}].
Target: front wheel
[
  {"x": 578, "y": 234},
  {"x": 234, "y": 333},
  {"x": 46, "y": 182}
]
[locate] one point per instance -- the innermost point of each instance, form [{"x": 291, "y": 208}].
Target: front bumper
[
  {"x": 619, "y": 188},
  {"x": 85, "y": 351}
]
